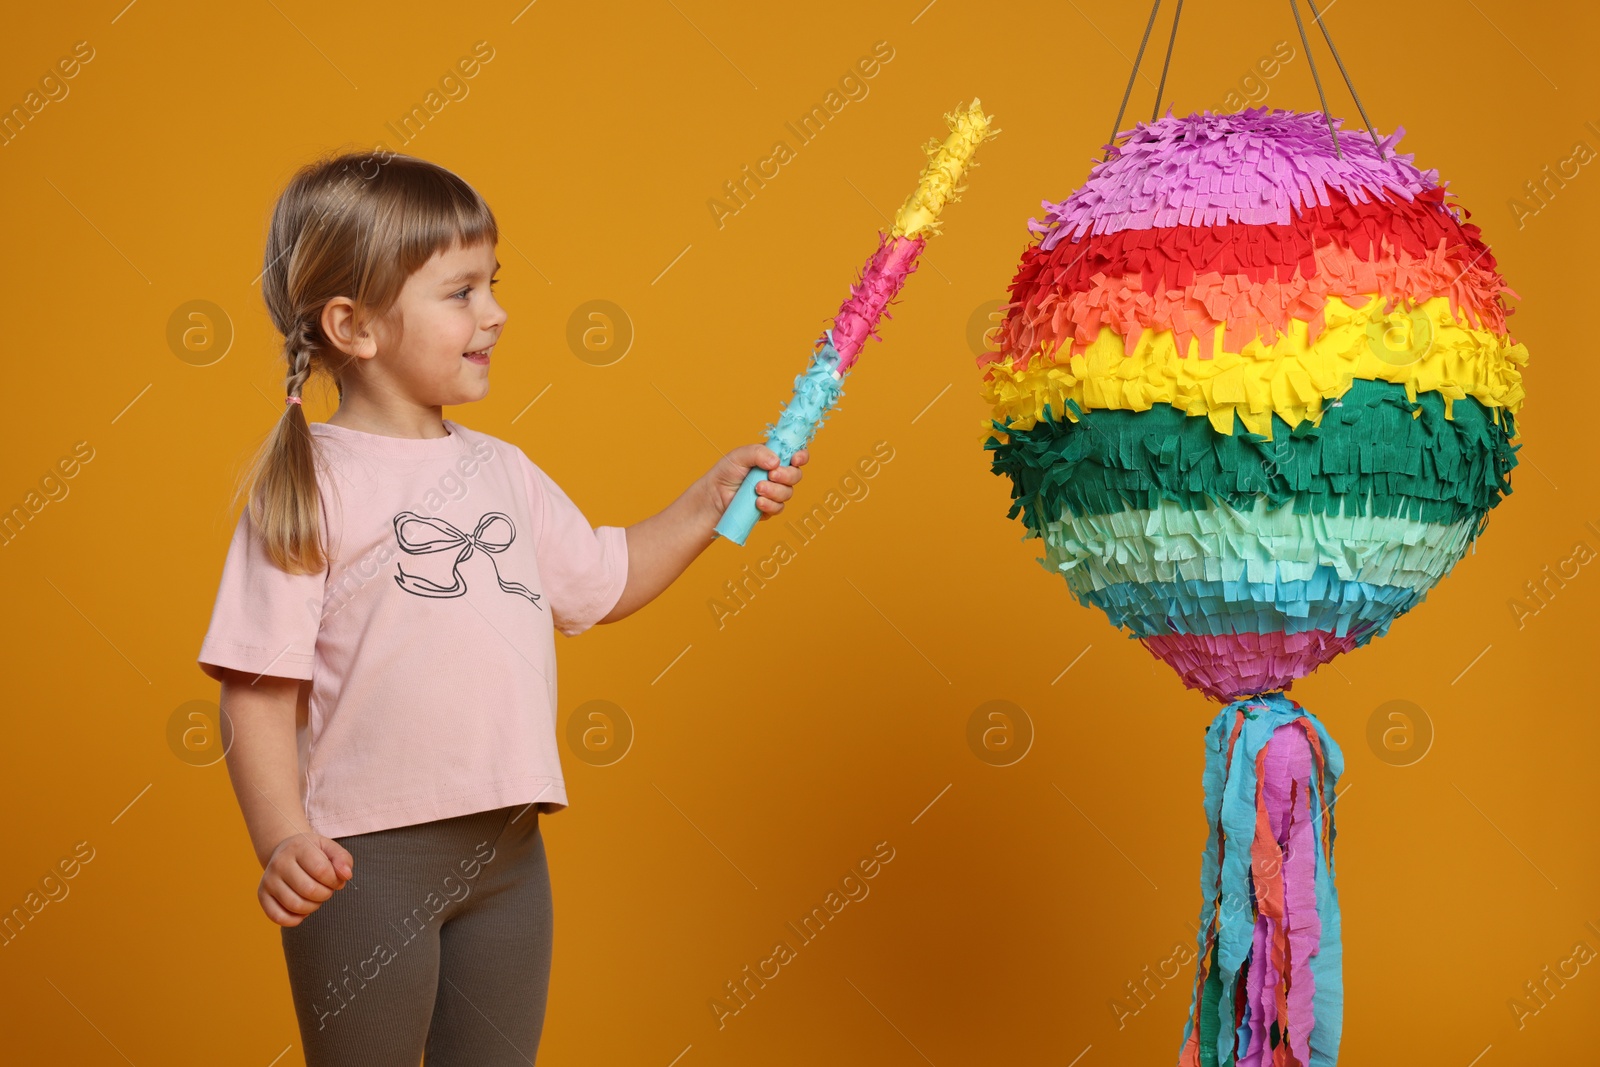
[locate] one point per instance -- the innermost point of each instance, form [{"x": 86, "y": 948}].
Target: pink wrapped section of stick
[{"x": 881, "y": 279}]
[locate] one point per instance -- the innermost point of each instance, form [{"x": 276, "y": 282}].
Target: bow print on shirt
[{"x": 448, "y": 537}]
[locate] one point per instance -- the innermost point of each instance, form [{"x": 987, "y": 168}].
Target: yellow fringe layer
[{"x": 1422, "y": 347}]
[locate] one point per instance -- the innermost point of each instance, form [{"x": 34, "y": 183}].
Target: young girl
[{"x": 384, "y": 630}]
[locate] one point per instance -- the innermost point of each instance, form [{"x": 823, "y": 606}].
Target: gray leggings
[{"x": 440, "y": 944}]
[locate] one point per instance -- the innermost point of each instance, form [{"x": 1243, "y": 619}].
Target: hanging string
[
  {"x": 1317, "y": 18},
  {"x": 1305, "y": 43},
  {"x": 1326, "y": 114},
  {"x": 1161, "y": 89},
  {"x": 1117, "y": 126}
]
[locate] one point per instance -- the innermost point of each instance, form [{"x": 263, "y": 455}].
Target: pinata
[{"x": 1255, "y": 393}]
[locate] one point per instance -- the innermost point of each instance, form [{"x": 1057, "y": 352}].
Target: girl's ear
[{"x": 346, "y": 331}]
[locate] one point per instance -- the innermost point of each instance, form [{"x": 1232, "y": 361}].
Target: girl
[{"x": 384, "y": 630}]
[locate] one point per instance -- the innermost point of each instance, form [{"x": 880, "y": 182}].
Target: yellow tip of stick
[{"x": 919, "y": 215}]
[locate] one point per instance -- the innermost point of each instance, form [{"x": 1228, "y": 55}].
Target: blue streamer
[{"x": 1327, "y": 966}]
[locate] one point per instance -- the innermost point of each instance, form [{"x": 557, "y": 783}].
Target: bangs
[
  {"x": 438, "y": 212},
  {"x": 420, "y": 210}
]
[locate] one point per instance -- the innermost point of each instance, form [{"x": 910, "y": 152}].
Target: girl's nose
[{"x": 497, "y": 315}]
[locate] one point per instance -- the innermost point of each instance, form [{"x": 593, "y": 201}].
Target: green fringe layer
[{"x": 1368, "y": 455}]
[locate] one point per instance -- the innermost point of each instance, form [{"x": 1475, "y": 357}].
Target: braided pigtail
[{"x": 282, "y": 483}]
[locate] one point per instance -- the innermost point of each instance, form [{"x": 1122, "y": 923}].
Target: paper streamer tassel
[{"x": 1269, "y": 985}]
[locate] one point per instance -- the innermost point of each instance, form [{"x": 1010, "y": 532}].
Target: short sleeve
[
  {"x": 584, "y": 569},
  {"x": 265, "y": 620}
]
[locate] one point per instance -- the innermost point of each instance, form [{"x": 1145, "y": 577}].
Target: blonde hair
[{"x": 355, "y": 225}]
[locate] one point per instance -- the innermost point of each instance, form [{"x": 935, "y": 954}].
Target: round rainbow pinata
[
  {"x": 1256, "y": 395},
  {"x": 1255, "y": 398}
]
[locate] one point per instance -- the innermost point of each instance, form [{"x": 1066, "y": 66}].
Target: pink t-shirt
[{"x": 429, "y": 640}]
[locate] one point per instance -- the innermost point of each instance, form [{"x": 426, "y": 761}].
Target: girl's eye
[{"x": 492, "y": 283}]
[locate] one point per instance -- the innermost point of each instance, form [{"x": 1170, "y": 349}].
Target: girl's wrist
[
  {"x": 273, "y": 839},
  {"x": 709, "y": 507}
]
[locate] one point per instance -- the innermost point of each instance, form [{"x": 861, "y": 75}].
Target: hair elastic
[{"x": 291, "y": 400}]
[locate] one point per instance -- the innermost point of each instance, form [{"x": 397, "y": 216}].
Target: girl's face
[{"x": 451, "y": 323}]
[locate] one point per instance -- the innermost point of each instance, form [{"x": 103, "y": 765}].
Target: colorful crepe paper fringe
[
  {"x": 1256, "y": 399},
  {"x": 1170, "y": 543},
  {"x": 819, "y": 387},
  {"x": 1176, "y": 255},
  {"x": 1423, "y": 348},
  {"x": 1368, "y": 379},
  {"x": 881, "y": 280},
  {"x": 1266, "y": 573},
  {"x": 1252, "y": 279},
  {"x": 1256, "y": 167},
  {"x": 1268, "y": 987},
  {"x": 1227, "y": 666},
  {"x": 1374, "y": 453}
]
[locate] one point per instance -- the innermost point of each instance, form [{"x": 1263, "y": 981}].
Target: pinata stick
[{"x": 818, "y": 389}]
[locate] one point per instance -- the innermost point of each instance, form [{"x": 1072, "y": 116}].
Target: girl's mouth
[{"x": 481, "y": 357}]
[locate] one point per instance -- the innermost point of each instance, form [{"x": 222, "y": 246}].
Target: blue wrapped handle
[{"x": 816, "y": 391}]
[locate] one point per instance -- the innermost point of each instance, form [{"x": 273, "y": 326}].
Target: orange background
[{"x": 833, "y": 711}]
